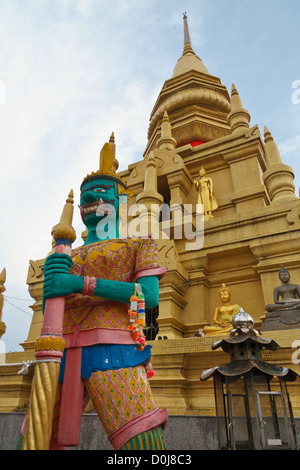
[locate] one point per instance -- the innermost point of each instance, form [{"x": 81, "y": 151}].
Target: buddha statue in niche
[
  {"x": 288, "y": 293},
  {"x": 206, "y": 195},
  {"x": 223, "y": 314}
]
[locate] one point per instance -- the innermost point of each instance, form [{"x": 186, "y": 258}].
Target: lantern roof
[
  {"x": 243, "y": 344},
  {"x": 241, "y": 367},
  {"x": 226, "y": 343}
]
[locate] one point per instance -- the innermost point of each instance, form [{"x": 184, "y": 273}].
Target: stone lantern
[{"x": 253, "y": 408}]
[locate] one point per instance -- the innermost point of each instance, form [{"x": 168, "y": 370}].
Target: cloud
[
  {"x": 68, "y": 86},
  {"x": 290, "y": 146}
]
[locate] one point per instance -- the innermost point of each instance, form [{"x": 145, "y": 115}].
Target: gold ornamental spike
[
  {"x": 239, "y": 117},
  {"x": 166, "y": 141},
  {"x": 271, "y": 149},
  {"x": 64, "y": 229},
  {"x": 107, "y": 156},
  {"x": 2, "y": 289},
  {"x": 3, "y": 276},
  {"x": 187, "y": 40},
  {"x": 108, "y": 165}
]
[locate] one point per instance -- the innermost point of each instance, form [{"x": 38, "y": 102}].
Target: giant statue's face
[{"x": 98, "y": 199}]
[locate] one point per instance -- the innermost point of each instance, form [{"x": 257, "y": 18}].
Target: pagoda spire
[
  {"x": 187, "y": 40},
  {"x": 188, "y": 60}
]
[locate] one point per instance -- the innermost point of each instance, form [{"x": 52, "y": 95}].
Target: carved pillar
[
  {"x": 172, "y": 288},
  {"x": 150, "y": 200},
  {"x": 247, "y": 163},
  {"x": 197, "y": 295}
]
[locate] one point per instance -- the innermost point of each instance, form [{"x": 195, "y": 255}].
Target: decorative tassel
[
  {"x": 137, "y": 322},
  {"x": 150, "y": 370}
]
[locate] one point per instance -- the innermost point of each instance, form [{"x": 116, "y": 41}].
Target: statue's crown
[
  {"x": 108, "y": 166},
  {"x": 224, "y": 288}
]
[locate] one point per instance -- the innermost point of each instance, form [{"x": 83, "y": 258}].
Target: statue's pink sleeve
[{"x": 146, "y": 262}]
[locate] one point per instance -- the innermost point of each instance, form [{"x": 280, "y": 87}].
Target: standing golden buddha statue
[{"x": 206, "y": 195}]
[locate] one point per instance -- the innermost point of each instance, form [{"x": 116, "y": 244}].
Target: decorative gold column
[
  {"x": 150, "y": 200},
  {"x": 172, "y": 288}
]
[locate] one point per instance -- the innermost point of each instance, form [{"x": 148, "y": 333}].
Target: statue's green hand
[
  {"x": 57, "y": 280},
  {"x": 57, "y": 263},
  {"x": 61, "y": 285}
]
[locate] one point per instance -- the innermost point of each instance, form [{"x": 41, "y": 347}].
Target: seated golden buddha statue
[{"x": 223, "y": 314}]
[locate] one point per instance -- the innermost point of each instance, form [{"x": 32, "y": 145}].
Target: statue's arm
[
  {"x": 122, "y": 291},
  {"x": 216, "y": 316},
  {"x": 210, "y": 187},
  {"x": 59, "y": 283},
  {"x": 276, "y": 296}
]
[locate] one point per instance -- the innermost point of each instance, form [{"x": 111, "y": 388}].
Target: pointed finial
[
  {"x": 64, "y": 229},
  {"x": 115, "y": 163},
  {"x": 242, "y": 322},
  {"x": 70, "y": 199},
  {"x": 235, "y": 97},
  {"x": 107, "y": 156},
  {"x": 187, "y": 39},
  {"x": 2, "y": 289},
  {"x": 150, "y": 181},
  {"x": 233, "y": 90},
  {"x": 239, "y": 117},
  {"x": 271, "y": 149},
  {"x": 3, "y": 276},
  {"x": 112, "y": 138},
  {"x": 108, "y": 164},
  {"x": 166, "y": 140},
  {"x": 267, "y": 135},
  {"x": 188, "y": 60}
]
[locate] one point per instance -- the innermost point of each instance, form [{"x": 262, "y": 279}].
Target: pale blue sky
[{"x": 75, "y": 70}]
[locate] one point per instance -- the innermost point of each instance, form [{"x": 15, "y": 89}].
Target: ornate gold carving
[
  {"x": 50, "y": 343},
  {"x": 40, "y": 415},
  {"x": 37, "y": 270},
  {"x": 189, "y": 97},
  {"x": 293, "y": 217}
]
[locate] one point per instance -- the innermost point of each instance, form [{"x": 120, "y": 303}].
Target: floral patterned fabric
[{"x": 122, "y": 260}]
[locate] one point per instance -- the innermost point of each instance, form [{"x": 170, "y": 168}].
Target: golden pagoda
[{"x": 201, "y": 146}]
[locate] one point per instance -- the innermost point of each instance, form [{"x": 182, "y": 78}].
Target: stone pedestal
[{"x": 281, "y": 320}]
